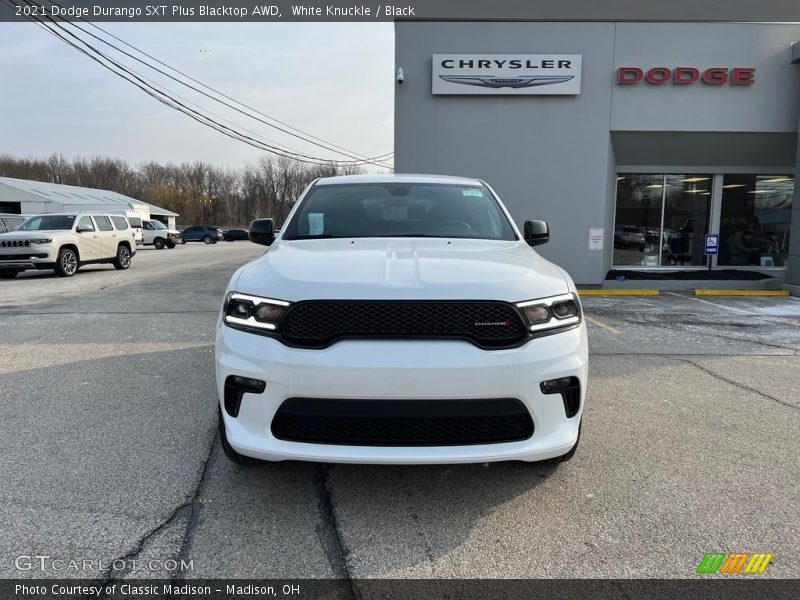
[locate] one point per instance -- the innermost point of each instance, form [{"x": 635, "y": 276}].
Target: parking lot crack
[
  {"x": 740, "y": 385},
  {"x": 186, "y": 511},
  {"x": 329, "y": 531}
]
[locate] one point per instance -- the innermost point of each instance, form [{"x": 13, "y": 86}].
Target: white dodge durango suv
[
  {"x": 400, "y": 319},
  {"x": 65, "y": 241}
]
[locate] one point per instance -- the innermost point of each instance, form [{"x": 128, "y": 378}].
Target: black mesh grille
[
  {"x": 402, "y": 422},
  {"x": 319, "y": 323}
]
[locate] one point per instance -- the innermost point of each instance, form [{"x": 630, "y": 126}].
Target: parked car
[
  {"x": 208, "y": 234},
  {"x": 10, "y": 222},
  {"x": 232, "y": 235},
  {"x": 135, "y": 221},
  {"x": 66, "y": 241},
  {"x": 628, "y": 236},
  {"x": 159, "y": 235},
  {"x": 400, "y": 319}
]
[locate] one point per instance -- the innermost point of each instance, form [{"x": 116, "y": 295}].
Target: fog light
[
  {"x": 236, "y": 387},
  {"x": 555, "y": 385},
  {"x": 570, "y": 390}
]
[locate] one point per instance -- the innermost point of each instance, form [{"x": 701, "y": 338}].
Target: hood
[
  {"x": 397, "y": 269},
  {"x": 32, "y": 235}
]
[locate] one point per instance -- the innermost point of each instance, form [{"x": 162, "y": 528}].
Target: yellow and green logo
[{"x": 734, "y": 562}]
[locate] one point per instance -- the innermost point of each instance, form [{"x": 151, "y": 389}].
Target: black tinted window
[
  {"x": 120, "y": 223},
  {"x": 400, "y": 210},
  {"x": 103, "y": 224}
]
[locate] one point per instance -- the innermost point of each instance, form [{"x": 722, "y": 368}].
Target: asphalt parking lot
[{"x": 109, "y": 448}]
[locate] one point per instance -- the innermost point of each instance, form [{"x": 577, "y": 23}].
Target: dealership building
[
  {"x": 26, "y": 197},
  {"x": 651, "y": 148}
]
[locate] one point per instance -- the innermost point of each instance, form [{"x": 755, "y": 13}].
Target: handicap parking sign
[{"x": 712, "y": 243}]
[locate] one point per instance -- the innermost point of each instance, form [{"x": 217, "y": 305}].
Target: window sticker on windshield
[
  {"x": 472, "y": 192},
  {"x": 316, "y": 223}
]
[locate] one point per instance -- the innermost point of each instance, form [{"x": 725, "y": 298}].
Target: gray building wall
[{"x": 556, "y": 157}]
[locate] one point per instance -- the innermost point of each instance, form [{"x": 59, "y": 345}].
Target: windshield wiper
[{"x": 324, "y": 236}]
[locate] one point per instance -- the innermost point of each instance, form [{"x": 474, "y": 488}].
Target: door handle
[{"x": 94, "y": 236}]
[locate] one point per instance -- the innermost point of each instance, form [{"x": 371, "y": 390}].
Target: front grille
[
  {"x": 14, "y": 243},
  {"x": 402, "y": 422},
  {"x": 319, "y": 323}
]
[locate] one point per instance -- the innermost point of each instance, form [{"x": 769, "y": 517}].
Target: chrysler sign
[{"x": 511, "y": 74}]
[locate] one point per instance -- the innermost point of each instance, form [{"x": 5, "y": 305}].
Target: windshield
[
  {"x": 158, "y": 225},
  {"x": 399, "y": 210},
  {"x": 48, "y": 223}
]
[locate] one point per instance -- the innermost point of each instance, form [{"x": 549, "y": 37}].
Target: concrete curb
[
  {"x": 741, "y": 293},
  {"x": 619, "y": 292}
]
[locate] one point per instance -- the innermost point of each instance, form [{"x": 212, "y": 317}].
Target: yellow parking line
[
  {"x": 618, "y": 292},
  {"x": 741, "y": 293},
  {"x": 613, "y": 330}
]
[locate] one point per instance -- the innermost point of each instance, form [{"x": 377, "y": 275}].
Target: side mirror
[
  {"x": 536, "y": 233},
  {"x": 262, "y": 231},
  {"x": 84, "y": 229}
]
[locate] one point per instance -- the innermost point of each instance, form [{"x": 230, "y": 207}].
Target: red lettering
[
  {"x": 658, "y": 75},
  {"x": 684, "y": 75},
  {"x": 715, "y": 76},
  {"x": 629, "y": 75},
  {"x": 743, "y": 76}
]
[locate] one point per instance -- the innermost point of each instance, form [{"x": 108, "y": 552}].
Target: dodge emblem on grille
[{"x": 492, "y": 323}]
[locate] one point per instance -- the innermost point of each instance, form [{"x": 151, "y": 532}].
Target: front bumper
[
  {"x": 28, "y": 257},
  {"x": 401, "y": 370}
]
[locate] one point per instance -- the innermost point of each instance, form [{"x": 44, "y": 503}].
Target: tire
[
  {"x": 170, "y": 244},
  {"x": 123, "y": 258},
  {"x": 67, "y": 263},
  {"x": 230, "y": 453},
  {"x": 159, "y": 243},
  {"x": 565, "y": 457},
  {"x": 207, "y": 239},
  {"x": 8, "y": 273}
]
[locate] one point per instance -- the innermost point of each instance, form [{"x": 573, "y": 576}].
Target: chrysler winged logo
[{"x": 491, "y": 81}]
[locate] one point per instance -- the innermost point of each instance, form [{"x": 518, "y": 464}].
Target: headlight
[
  {"x": 41, "y": 241},
  {"x": 555, "y": 312},
  {"x": 253, "y": 312}
]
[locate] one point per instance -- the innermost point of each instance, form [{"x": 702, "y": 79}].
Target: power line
[
  {"x": 169, "y": 100},
  {"x": 308, "y": 137}
]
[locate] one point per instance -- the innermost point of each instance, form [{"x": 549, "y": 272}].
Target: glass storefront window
[
  {"x": 661, "y": 220},
  {"x": 638, "y": 219},
  {"x": 687, "y": 210},
  {"x": 755, "y": 220}
]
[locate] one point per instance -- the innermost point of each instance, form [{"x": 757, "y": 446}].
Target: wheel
[
  {"x": 123, "y": 259},
  {"x": 158, "y": 243},
  {"x": 230, "y": 453},
  {"x": 568, "y": 456},
  {"x": 67, "y": 262},
  {"x": 183, "y": 241},
  {"x": 207, "y": 239},
  {"x": 8, "y": 273},
  {"x": 170, "y": 244}
]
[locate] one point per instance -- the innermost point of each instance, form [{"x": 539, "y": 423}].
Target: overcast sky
[{"x": 333, "y": 80}]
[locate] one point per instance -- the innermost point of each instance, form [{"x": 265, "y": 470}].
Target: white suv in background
[
  {"x": 400, "y": 319},
  {"x": 66, "y": 241},
  {"x": 159, "y": 235}
]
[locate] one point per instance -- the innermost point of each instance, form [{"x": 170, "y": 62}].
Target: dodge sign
[{"x": 513, "y": 74}]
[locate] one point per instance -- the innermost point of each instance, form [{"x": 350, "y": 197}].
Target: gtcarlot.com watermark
[{"x": 42, "y": 562}]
